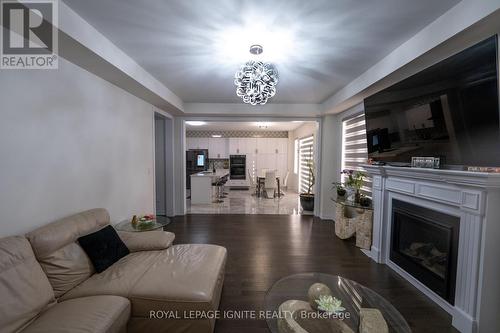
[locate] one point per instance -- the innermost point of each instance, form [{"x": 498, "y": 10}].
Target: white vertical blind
[
  {"x": 354, "y": 148},
  {"x": 306, "y": 153},
  {"x": 296, "y": 156}
]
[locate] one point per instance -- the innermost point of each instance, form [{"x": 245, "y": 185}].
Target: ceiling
[
  {"x": 194, "y": 47},
  {"x": 248, "y": 126}
]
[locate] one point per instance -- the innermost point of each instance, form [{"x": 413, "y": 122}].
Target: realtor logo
[{"x": 29, "y": 34}]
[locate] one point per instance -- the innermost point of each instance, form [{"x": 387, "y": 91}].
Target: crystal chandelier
[{"x": 256, "y": 80}]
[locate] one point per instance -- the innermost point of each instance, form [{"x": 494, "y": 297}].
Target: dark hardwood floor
[{"x": 265, "y": 248}]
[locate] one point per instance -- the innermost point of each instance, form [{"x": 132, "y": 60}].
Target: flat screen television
[{"x": 449, "y": 110}]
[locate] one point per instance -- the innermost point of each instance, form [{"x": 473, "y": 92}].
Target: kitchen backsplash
[
  {"x": 237, "y": 134},
  {"x": 220, "y": 163}
]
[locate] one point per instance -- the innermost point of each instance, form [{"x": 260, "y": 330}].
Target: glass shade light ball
[{"x": 256, "y": 82}]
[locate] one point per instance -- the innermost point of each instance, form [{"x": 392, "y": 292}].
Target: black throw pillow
[{"x": 104, "y": 248}]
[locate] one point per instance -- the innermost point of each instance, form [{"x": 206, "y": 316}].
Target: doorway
[
  {"x": 164, "y": 168},
  {"x": 243, "y": 154}
]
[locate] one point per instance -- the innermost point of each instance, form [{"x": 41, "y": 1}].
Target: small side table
[
  {"x": 353, "y": 219},
  {"x": 158, "y": 223}
]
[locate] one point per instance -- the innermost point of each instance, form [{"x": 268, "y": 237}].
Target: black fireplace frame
[{"x": 445, "y": 222}]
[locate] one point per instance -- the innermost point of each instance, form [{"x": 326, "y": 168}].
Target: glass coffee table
[
  {"x": 353, "y": 296},
  {"x": 158, "y": 223}
]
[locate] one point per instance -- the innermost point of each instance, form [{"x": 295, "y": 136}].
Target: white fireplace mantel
[{"x": 474, "y": 197}]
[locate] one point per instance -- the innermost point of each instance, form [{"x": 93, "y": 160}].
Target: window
[
  {"x": 296, "y": 156},
  {"x": 306, "y": 153},
  {"x": 354, "y": 148}
]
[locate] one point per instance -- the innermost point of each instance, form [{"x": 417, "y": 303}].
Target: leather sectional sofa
[{"x": 48, "y": 284}]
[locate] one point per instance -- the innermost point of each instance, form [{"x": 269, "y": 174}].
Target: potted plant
[
  {"x": 307, "y": 198},
  {"x": 365, "y": 201},
  {"x": 354, "y": 182},
  {"x": 340, "y": 190}
]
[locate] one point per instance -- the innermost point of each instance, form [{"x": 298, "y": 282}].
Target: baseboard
[{"x": 326, "y": 217}]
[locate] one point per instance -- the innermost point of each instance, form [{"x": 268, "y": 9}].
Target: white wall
[
  {"x": 331, "y": 157},
  {"x": 70, "y": 141},
  {"x": 307, "y": 129}
]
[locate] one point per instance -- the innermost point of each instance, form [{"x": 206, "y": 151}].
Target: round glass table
[
  {"x": 158, "y": 223},
  {"x": 353, "y": 296}
]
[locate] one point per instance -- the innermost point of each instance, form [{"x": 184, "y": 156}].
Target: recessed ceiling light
[
  {"x": 263, "y": 124},
  {"x": 216, "y": 136},
  {"x": 297, "y": 121},
  {"x": 195, "y": 123}
]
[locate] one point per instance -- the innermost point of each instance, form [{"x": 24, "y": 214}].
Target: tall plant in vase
[{"x": 307, "y": 198}]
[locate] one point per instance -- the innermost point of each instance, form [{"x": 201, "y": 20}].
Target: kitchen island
[{"x": 201, "y": 185}]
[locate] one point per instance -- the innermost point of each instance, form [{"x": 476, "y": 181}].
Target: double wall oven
[{"x": 238, "y": 166}]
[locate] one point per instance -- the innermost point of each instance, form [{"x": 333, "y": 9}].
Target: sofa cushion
[
  {"x": 55, "y": 247},
  {"x": 96, "y": 314},
  {"x": 25, "y": 290},
  {"x": 182, "y": 277},
  {"x": 147, "y": 240},
  {"x": 104, "y": 247}
]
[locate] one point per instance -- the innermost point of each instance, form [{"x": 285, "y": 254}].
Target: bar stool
[
  {"x": 223, "y": 181},
  {"x": 218, "y": 191}
]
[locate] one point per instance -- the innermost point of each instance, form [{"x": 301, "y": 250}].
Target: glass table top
[
  {"x": 349, "y": 203},
  {"x": 353, "y": 295},
  {"x": 158, "y": 223}
]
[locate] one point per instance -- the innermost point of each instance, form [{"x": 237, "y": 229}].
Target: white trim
[
  {"x": 212, "y": 118},
  {"x": 457, "y": 193}
]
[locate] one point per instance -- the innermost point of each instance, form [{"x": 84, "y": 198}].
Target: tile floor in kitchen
[{"x": 243, "y": 202}]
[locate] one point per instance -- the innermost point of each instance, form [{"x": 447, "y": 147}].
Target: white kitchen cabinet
[
  {"x": 281, "y": 165},
  {"x": 189, "y": 143},
  {"x": 276, "y": 158},
  {"x": 242, "y": 146},
  {"x": 261, "y": 153},
  {"x": 264, "y": 146},
  {"x": 196, "y": 143},
  {"x": 272, "y": 145},
  {"x": 233, "y": 146},
  {"x": 281, "y": 145},
  {"x": 218, "y": 148},
  {"x": 265, "y": 161},
  {"x": 203, "y": 143},
  {"x": 192, "y": 143},
  {"x": 248, "y": 145}
]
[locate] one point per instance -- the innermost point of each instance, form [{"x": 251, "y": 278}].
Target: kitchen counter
[
  {"x": 201, "y": 185},
  {"x": 218, "y": 173}
]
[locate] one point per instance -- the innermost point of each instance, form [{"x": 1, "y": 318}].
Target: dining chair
[
  {"x": 284, "y": 183},
  {"x": 270, "y": 183},
  {"x": 263, "y": 172},
  {"x": 252, "y": 182}
]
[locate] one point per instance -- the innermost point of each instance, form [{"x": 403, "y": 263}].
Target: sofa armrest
[{"x": 147, "y": 240}]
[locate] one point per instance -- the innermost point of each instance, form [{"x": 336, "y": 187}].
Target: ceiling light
[
  {"x": 256, "y": 80},
  {"x": 264, "y": 125},
  {"x": 195, "y": 123},
  {"x": 216, "y": 136}
]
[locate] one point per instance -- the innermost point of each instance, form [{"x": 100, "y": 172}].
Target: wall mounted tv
[{"x": 449, "y": 110}]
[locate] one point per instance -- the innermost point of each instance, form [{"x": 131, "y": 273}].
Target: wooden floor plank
[{"x": 264, "y": 248}]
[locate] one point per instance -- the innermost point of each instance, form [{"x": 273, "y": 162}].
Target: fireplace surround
[{"x": 474, "y": 200}]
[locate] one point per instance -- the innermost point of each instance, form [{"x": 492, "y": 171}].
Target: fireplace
[{"x": 425, "y": 244}]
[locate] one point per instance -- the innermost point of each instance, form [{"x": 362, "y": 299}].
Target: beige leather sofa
[{"x": 47, "y": 283}]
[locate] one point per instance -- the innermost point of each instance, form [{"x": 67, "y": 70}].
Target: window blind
[
  {"x": 306, "y": 153},
  {"x": 354, "y": 148}
]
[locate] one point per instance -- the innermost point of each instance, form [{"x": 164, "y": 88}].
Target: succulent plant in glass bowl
[{"x": 329, "y": 304}]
